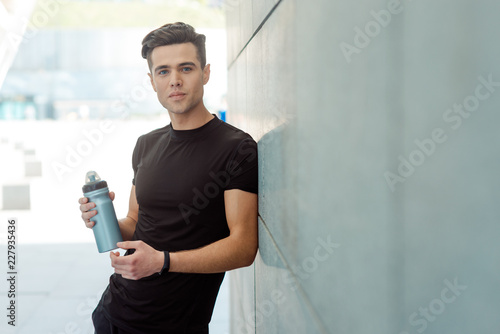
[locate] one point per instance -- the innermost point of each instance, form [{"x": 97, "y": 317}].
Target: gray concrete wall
[{"x": 377, "y": 130}]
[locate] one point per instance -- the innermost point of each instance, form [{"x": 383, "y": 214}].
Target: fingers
[
  {"x": 83, "y": 200},
  {"x": 129, "y": 244},
  {"x": 86, "y": 207},
  {"x": 115, "y": 254},
  {"x": 86, "y": 218},
  {"x": 121, "y": 264},
  {"x": 87, "y": 214},
  {"x": 118, "y": 262},
  {"x": 127, "y": 266}
]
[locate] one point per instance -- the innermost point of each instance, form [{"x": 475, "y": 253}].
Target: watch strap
[{"x": 166, "y": 263}]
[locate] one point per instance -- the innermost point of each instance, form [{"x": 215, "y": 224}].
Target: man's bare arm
[
  {"x": 127, "y": 224},
  {"x": 235, "y": 251}
]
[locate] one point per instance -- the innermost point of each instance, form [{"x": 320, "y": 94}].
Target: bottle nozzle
[{"x": 92, "y": 177}]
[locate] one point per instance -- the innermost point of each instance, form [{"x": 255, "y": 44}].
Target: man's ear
[
  {"x": 206, "y": 74},
  {"x": 152, "y": 81}
]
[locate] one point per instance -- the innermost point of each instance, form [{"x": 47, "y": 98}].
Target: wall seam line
[
  {"x": 321, "y": 326},
  {"x": 254, "y": 33}
]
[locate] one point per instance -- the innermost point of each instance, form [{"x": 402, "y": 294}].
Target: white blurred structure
[{"x": 14, "y": 16}]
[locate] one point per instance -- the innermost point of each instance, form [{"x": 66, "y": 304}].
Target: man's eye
[
  {"x": 163, "y": 72},
  {"x": 186, "y": 69}
]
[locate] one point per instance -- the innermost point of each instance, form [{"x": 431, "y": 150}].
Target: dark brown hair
[{"x": 174, "y": 33}]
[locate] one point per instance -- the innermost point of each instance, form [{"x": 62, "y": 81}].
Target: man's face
[{"x": 177, "y": 77}]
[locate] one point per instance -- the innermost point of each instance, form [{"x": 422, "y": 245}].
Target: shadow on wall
[{"x": 275, "y": 189}]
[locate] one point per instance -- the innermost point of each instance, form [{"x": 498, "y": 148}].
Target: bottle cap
[{"x": 93, "y": 182}]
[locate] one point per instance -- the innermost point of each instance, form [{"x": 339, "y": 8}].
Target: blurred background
[
  {"x": 377, "y": 125},
  {"x": 74, "y": 97}
]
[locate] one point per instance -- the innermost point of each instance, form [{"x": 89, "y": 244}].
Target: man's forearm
[
  {"x": 237, "y": 250},
  {"x": 223, "y": 255},
  {"x": 127, "y": 227}
]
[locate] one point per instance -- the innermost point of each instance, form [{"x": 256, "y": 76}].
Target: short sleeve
[
  {"x": 136, "y": 158},
  {"x": 242, "y": 167}
]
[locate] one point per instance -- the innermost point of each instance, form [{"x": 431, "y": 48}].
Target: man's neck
[{"x": 191, "y": 120}]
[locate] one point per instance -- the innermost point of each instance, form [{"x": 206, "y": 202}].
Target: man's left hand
[{"x": 144, "y": 262}]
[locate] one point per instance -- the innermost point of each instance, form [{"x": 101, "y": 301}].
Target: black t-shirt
[{"x": 180, "y": 178}]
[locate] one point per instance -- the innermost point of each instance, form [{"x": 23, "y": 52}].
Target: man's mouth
[{"x": 176, "y": 95}]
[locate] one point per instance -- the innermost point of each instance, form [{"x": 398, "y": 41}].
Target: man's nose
[{"x": 175, "y": 80}]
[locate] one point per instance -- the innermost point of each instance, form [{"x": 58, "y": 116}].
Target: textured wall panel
[{"x": 377, "y": 140}]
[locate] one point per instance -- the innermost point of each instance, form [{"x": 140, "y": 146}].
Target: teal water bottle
[{"x": 106, "y": 230}]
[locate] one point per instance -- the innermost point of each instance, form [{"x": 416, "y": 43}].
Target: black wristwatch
[{"x": 166, "y": 263}]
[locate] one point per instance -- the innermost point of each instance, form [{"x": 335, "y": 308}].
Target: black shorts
[{"x": 102, "y": 324}]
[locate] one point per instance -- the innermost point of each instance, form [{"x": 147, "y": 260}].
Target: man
[{"x": 193, "y": 204}]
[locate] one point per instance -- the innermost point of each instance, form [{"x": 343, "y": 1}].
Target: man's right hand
[{"x": 86, "y": 209}]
